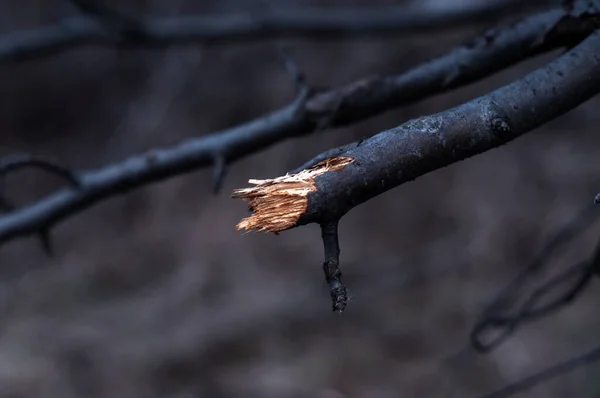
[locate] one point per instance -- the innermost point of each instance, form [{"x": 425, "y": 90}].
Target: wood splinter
[{"x": 278, "y": 203}]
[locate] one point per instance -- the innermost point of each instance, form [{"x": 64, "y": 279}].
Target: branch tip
[
  {"x": 333, "y": 275},
  {"x": 219, "y": 173},
  {"x": 278, "y": 203},
  {"x": 293, "y": 70},
  {"x": 46, "y": 242}
]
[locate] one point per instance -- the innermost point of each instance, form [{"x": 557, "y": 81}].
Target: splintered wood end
[{"x": 278, "y": 203}]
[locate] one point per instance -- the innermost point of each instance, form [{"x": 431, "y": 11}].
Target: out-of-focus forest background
[{"x": 155, "y": 294}]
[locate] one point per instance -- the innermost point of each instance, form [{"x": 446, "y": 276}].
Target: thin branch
[
  {"x": 98, "y": 10},
  {"x": 557, "y": 370},
  {"x": 43, "y": 235},
  {"x": 577, "y": 278},
  {"x": 219, "y": 173},
  {"x": 422, "y": 145},
  {"x": 480, "y": 57},
  {"x": 122, "y": 27},
  {"x": 499, "y": 321},
  {"x": 12, "y": 163},
  {"x": 333, "y": 275},
  {"x": 305, "y": 22},
  {"x": 16, "y": 162},
  {"x": 497, "y": 317}
]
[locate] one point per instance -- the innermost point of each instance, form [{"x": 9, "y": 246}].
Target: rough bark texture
[{"x": 428, "y": 143}]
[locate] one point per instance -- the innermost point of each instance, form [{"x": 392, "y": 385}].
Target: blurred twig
[
  {"x": 480, "y": 57},
  {"x": 13, "y": 163},
  {"x": 576, "y": 277},
  {"x": 565, "y": 367},
  {"x": 16, "y": 162},
  {"x": 500, "y": 321},
  {"x": 103, "y": 26},
  {"x": 120, "y": 26}
]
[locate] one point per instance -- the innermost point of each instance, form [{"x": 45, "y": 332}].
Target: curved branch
[
  {"x": 105, "y": 27},
  {"x": 419, "y": 146},
  {"x": 507, "y": 311},
  {"x": 16, "y": 162},
  {"x": 482, "y": 56}
]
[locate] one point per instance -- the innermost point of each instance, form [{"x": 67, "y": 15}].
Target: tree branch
[
  {"x": 333, "y": 275},
  {"x": 103, "y": 26},
  {"x": 419, "y": 146},
  {"x": 509, "y": 309},
  {"x": 13, "y": 163},
  {"x": 482, "y": 56},
  {"x": 564, "y": 367}
]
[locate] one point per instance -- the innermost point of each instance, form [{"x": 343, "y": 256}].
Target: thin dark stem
[
  {"x": 219, "y": 173},
  {"x": 121, "y": 27},
  {"x": 43, "y": 234},
  {"x": 293, "y": 70},
  {"x": 498, "y": 321},
  {"x": 333, "y": 275},
  {"x": 502, "y": 325},
  {"x": 557, "y": 370},
  {"x": 16, "y": 162},
  {"x": 12, "y": 163}
]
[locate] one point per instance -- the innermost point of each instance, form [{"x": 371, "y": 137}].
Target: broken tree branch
[
  {"x": 480, "y": 57},
  {"x": 102, "y": 26},
  {"x": 419, "y": 146}
]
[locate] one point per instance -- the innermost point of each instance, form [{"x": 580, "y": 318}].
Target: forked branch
[{"x": 480, "y": 57}]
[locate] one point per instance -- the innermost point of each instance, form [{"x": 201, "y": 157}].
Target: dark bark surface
[
  {"x": 428, "y": 143},
  {"x": 154, "y": 294}
]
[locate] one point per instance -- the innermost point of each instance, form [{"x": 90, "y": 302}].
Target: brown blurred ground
[{"x": 154, "y": 294}]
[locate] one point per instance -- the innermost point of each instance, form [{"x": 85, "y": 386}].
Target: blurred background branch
[
  {"x": 528, "y": 383},
  {"x": 105, "y": 26}
]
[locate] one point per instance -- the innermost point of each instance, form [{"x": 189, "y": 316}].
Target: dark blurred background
[{"x": 155, "y": 294}]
